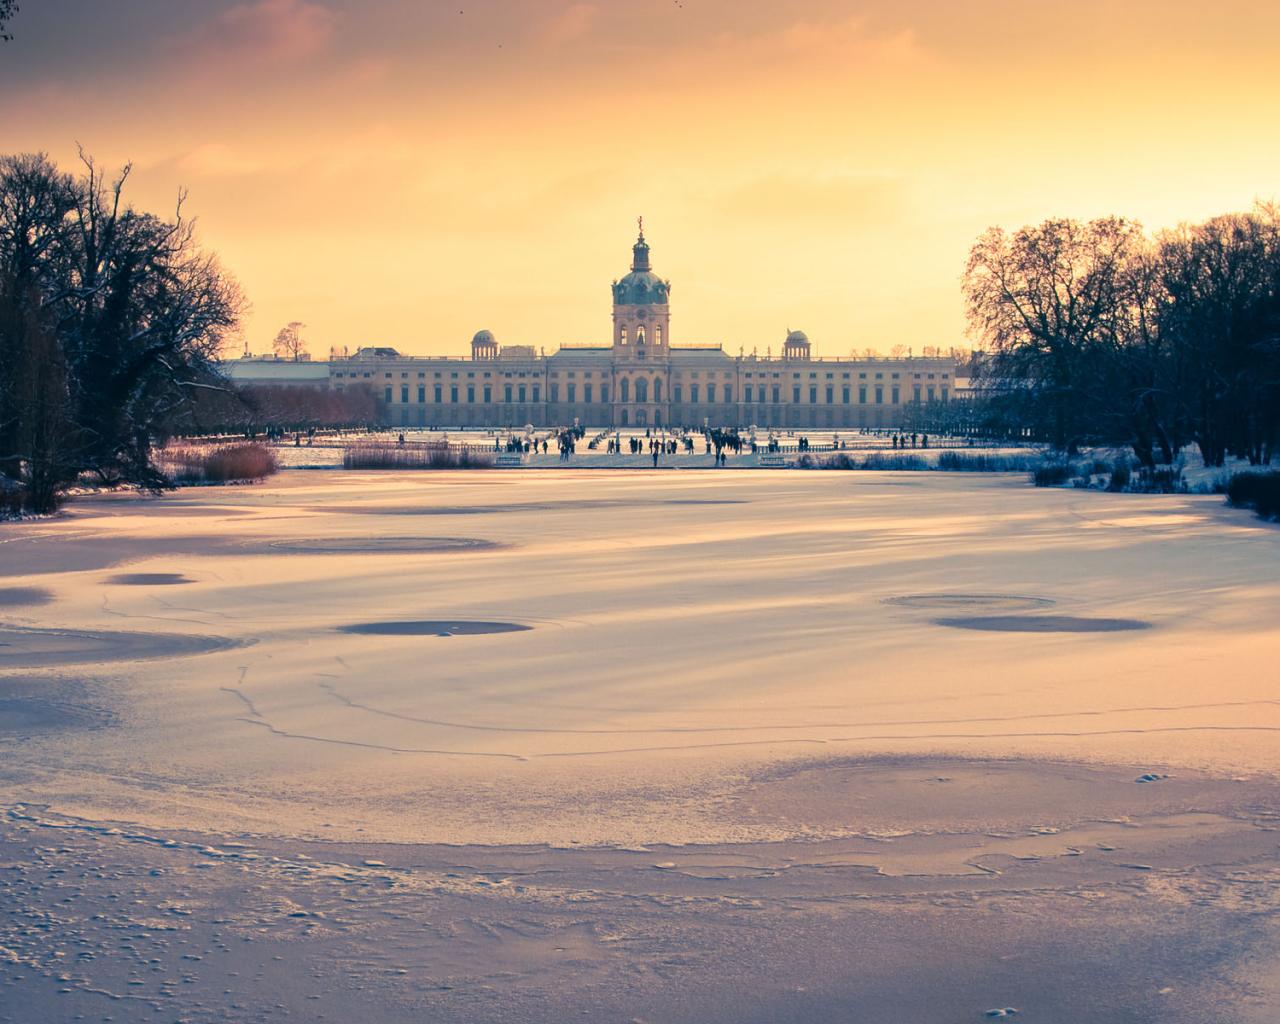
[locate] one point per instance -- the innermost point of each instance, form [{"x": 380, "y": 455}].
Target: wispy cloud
[
  {"x": 572, "y": 23},
  {"x": 263, "y": 32}
]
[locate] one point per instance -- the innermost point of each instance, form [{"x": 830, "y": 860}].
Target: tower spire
[{"x": 640, "y": 251}]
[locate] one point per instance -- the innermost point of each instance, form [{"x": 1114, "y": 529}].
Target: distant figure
[
  {"x": 400, "y": 442},
  {"x": 655, "y": 458}
]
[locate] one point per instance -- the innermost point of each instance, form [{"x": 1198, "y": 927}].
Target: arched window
[
  {"x": 640, "y": 335},
  {"x": 624, "y": 417},
  {"x": 624, "y": 390},
  {"x": 642, "y": 389},
  {"x": 642, "y": 418},
  {"x": 657, "y": 334},
  {"x": 622, "y": 335},
  {"x": 657, "y": 389}
]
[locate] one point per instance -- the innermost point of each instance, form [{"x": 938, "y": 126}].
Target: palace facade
[{"x": 640, "y": 379}]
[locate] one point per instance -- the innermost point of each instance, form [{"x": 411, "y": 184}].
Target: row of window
[
  {"x": 846, "y": 376},
  {"x": 919, "y": 393},
  {"x": 518, "y": 393},
  {"x": 752, "y": 394},
  {"x": 587, "y": 374},
  {"x": 640, "y": 336}
]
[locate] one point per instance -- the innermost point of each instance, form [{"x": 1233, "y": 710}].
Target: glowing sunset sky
[{"x": 405, "y": 172}]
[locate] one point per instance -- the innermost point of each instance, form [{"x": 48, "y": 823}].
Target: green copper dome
[{"x": 641, "y": 287}]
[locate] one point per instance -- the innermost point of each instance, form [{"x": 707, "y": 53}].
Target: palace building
[{"x": 640, "y": 378}]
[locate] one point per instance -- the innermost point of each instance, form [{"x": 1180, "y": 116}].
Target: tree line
[
  {"x": 253, "y": 409},
  {"x": 1099, "y": 333},
  {"x": 112, "y": 320}
]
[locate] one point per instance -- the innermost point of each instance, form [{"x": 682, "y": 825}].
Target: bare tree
[
  {"x": 1042, "y": 299},
  {"x": 1222, "y": 278},
  {"x": 123, "y": 307},
  {"x": 36, "y": 437},
  {"x": 288, "y": 343},
  {"x": 8, "y": 8},
  {"x": 1095, "y": 331}
]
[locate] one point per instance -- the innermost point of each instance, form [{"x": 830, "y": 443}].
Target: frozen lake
[
  {"x": 681, "y": 630},
  {"x": 912, "y": 683}
]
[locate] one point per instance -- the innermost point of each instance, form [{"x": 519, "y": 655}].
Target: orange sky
[{"x": 404, "y": 172}]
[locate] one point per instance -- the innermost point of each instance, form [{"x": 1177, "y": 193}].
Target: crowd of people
[
  {"x": 568, "y": 440},
  {"x": 520, "y": 445},
  {"x": 658, "y": 443}
]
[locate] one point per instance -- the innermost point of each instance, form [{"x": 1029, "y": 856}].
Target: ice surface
[
  {"x": 676, "y": 645},
  {"x": 734, "y": 773}
]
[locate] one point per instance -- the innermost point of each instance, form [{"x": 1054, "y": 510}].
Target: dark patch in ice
[
  {"x": 996, "y": 602},
  {"x": 527, "y": 506},
  {"x": 704, "y": 501},
  {"x": 192, "y": 510},
  {"x": 436, "y": 510},
  {"x": 384, "y": 545},
  {"x": 49, "y": 553},
  {"x": 1043, "y": 624},
  {"x": 29, "y": 706},
  {"x": 435, "y": 627},
  {"x": 12, "y": 597},
  {"x": 37, "y": 648},
  {"x": 149, "y": 579}
]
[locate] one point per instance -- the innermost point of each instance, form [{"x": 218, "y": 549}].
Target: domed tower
[
  {"x": 484, "y": 346},
  {"x": 796, "y": 346},
  {"x": 641, "y": 313}
]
